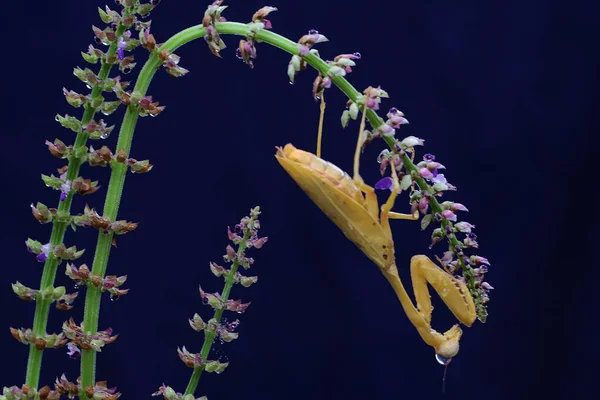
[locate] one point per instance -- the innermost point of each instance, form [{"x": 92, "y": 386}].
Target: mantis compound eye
[{"x": 443, "y": 360}]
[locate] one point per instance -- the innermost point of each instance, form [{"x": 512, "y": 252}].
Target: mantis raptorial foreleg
[{"x": 453, "y": 293}]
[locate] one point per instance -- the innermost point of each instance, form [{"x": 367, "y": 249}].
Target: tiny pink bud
[
  {"x": 449, "y": 215},
  {"x": 458, "y": 207}
]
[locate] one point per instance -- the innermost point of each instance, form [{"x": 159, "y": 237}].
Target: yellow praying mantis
[{"x": 352, "y": 205}]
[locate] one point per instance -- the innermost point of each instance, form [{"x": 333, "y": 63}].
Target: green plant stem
[
  {"x": 209, "y": 337},
  {"x": 42, "y": 308},
  {"x": 117, "y": 178}
]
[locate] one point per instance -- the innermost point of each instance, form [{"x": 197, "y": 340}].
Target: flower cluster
[
  {"x": 60, "y": 252},
  {"x": 63, "y": 299},
  {"x": 246, "y": 50},
  {"x": 297, "y": 62},
  {"x": 81, "y": 340},
  {"x": 26, "y": 336},
  {"x": 212, "y": 37},
  {"x": 102, "y": 157},
  {"x": 427, "y": 185},
  {"x": 245, "y": 236},
  {"x": 111, "y": 283},
  {"x": 67, "y": 187},
  {"x": 99, "y": 391},
  {"x": 340, "y": 66},
  {"x": 91, "y": 218},
  {"x": 170, "y": 394},
  {"x": 370, "y": 100},
  {"x": 26, "y": 392}
]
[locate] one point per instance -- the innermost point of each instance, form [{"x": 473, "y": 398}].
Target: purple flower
[
  {"x": 458, "y": 207},
  {"x": 448, "y": 256},
  {"x": 464, "y": 227},
  {"x": 385, "y": 183},
  {"x": 423, "y": 205},
  {"x": 304, "y": 50},
  {"x": 479, "y": 260},
  {"x": 386, "y": 130},
  {"x": 439, "y": 178},
  {"x": 121, "y": 45},
  {"x": 65, "y": 188},
  {"x": 43, "y": 256},
  {"x": 426, "y": 173},
  {"x": 73, "y": 350},
  {"x": 412, "y": 141},
  {"x": 449, "y": 215},
  {"x": 372, "y": 104}
]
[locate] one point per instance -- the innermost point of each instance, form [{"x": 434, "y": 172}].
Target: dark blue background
[{"x": 505, "y": 94}]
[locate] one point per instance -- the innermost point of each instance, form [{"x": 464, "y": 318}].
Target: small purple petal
[
  {"x": 426, "y": 173},
  {"x": 73, "y": 350},
  {"x": 439, "y": 178},
  {"x": 384, "y": 183},
  {"x": 449, "y": 215},
  {"x": 429, "y": 157},
  {"x": 121, "y": 53},
  {"x": 304, "y": 50},
  {"x": 41, "y": 257},
  {"x": 458, "y": 207}
]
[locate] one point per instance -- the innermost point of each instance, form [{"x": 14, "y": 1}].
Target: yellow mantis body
[{"x": 352, "y": 205}]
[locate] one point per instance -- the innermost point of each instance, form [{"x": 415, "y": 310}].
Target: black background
[{"x": 505, "y": 94}]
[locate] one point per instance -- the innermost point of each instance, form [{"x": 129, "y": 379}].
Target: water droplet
[
  {"x": 313, "y": 32},
  {"x": 153, "y": 115},
  {"x": 105, "y": 135},
  {"x": 238, "y": 54},
  {"x": 57, "y": 118},
  {"x": 113, "y": 297},
  {"x": 357, "y": 54},
  {"x": 104, "y": 112},
  {"x": 75, "y": 286},
  {"x": 88, "y": 86},
  {"x": 126, "y": 70},
  {"x": 291, "y": 83},
  {"x": 443, "y": 360}
]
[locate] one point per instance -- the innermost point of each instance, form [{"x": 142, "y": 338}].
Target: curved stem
[
  {"x": 42, "y": 308},
  {"x": 117, "y": 178}
]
